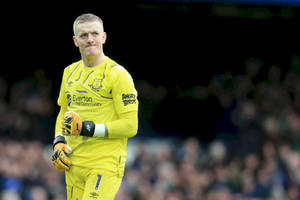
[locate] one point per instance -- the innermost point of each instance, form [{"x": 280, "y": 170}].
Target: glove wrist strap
[
  {"x": 88, "y": 128},
  {"x": 59, "y": 139}
]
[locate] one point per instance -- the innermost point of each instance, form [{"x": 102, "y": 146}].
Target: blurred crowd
[
  {"x": 256, "y": 151},
  {"x": 187, "y": 171},
  {"x": 26, "y": 172},
  {"x": 26, "y": 108},
  {"x": 26, "y": 128},
  {"x": 255, "y": 154}
]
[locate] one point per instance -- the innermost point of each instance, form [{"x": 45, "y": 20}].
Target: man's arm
[
  {"x": 59, "y": 120},
  {"x": 60, "y": 160},
  {"x": 126, "y": 105},
  {"x": 62, "y": 102},
  {"x": 126, "y": 126}
]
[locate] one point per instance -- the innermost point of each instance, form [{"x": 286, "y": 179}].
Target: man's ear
[
  {"x": 75, "y": 41},
  {"x": 104, "y": 36}
]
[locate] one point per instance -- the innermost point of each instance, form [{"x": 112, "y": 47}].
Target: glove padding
[
  {"x": 59, "y": 158},
  {"x": 72, "y": 124}
]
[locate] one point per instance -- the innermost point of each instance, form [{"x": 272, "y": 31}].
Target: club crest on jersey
[{"x": 96, "y": 85}]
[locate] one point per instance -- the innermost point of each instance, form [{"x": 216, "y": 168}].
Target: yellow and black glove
[
  {"x": 60, "y": 160},
  {"x": 73, "y": 125}
]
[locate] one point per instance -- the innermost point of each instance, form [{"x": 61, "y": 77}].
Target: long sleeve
[
  {"x": 62, "y": 102},
  {"x": 58, "y": 125},
  {"x": 126, "y": 126},
  {"x": 126, "y": 105}
]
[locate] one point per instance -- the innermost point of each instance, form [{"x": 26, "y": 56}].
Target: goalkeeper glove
[
  {"x": 59, "y": 158},
  {"x": 73, "y": 125}
]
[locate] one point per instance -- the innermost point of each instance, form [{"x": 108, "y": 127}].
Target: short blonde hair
[{"x": 88, "y": 17}]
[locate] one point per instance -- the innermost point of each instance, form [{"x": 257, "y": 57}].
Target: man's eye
[
  {"x": 84, "y": 35},
  {"x": 95, "y": 34}
]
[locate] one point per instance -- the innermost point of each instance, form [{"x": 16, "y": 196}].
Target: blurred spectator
[{"x": 37, "y": 193}]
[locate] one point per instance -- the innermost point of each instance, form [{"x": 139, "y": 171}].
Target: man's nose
[{"x": 90, "y": 38}]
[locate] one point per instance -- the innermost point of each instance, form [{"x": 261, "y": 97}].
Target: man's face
[{"x": 89, "y": 38}]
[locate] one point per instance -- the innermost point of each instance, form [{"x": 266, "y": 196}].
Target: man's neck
[{"x": 93, "y": 61}]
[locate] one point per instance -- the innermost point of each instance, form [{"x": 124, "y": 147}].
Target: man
[{"x": 98, "y": 113}]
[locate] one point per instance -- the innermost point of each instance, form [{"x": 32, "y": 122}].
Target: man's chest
[{"x": 88, "y": 88}]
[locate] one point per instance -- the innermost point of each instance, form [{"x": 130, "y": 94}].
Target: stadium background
[{"x": 218, "y": 88}]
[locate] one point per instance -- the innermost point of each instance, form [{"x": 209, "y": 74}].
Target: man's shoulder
[
  {"x": 118, "y": 69},
  {"x": 72, "y": 66},
  {"x": 115, "y": 67}
]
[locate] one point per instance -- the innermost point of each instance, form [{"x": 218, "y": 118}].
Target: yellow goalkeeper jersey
[{"x": 100, "y": 94}]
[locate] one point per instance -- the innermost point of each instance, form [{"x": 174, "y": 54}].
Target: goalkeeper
[{"x": 98, "y": 113}]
